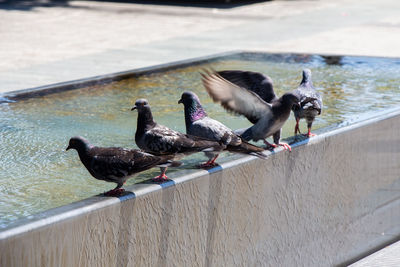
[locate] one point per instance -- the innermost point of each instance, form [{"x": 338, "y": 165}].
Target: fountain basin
[{"x": 321, "y": 203}]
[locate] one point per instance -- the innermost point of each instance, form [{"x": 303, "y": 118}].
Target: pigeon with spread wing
[{"x": 267, "y": 118}]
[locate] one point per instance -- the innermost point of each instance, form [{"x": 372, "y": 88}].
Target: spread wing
[
  {"x": 256, "y": 82},
  {"x": 235, "y": 98}
]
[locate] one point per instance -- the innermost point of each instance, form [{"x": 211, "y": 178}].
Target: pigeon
[
  {"x": 160, "y": 140},
  {"x": 267, "y": 118},
  {"x": 199, "y": 124},
  {"x": 116, "y": 164},
  {"x": 310, "y": 103},
  {"x": 254, "y": 81}
]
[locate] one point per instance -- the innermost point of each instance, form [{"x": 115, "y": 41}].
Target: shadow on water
[
  {"x": 333, "y": 60},
  {"x": 192, "y": 3},
  {"x": 29, "y": 5},
  {"x": 222, "y": 4}
]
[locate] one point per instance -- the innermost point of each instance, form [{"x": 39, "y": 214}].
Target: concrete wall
[{"x": 326, "y": 203}]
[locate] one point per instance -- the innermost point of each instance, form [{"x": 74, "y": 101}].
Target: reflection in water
[
  {"x": 333, "y": 60},
  {"x": 37, "y": 173}
]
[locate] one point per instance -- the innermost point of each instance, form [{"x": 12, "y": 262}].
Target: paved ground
[{"x": 43, "y": 43}]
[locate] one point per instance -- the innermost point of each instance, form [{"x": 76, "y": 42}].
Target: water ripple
[{"x": 36, "y": 173}]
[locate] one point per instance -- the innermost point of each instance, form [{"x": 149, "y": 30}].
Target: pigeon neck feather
[
  {"x": 282, "y": 106},
  {"x": 83, "y": 152},
  {"x": 306, "y": 79},
  {"x": 193, "y": 112},
  {"x": 145, "y": 120}
]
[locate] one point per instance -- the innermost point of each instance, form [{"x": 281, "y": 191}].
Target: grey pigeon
[
  {"x": 116, "y": 164},
  {"x": 199, "y": 124},
  {"x": 268, "y": 118},
  {"x": 310, "y": 103},
  {"x": 254, "y": 81},
  {"x": 160, "y": 140}
]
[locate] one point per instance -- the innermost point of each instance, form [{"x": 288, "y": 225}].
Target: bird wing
[
  {"x": 309, "y": 98},
  {"x": 213, "y": 130},
  {"x": 162, "y": 140},
  {"x": 234, "y": 98},
  {"x": 256, "y": 82},
  {"x": 145, "y": 161},
  {"x": 117, "y": 163},
  {"x": 110, "y": 163}
]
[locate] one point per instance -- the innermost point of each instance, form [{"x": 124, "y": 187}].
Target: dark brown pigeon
[
  {"x": 310, "y": 103},
  {"x": 116, "y": 164},
  {"x": 199, "y": 124},
  {"x": 160, "y": 140},
  {"x": 267, "y": 118}
]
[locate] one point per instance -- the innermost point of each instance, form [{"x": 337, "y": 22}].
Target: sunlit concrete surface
[
  {"x": 329, "y": 202},
  {"x": 42, "y": 44},
  {"x": 386, "y": 257}
]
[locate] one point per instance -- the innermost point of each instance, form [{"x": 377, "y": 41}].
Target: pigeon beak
[
  {"x": 180, "y": 101},
  {"x": 134, "y": 107},
  {"x": 68, "y": 148}
]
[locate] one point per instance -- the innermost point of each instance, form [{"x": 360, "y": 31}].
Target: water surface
[{"x": 36, "y": 173}]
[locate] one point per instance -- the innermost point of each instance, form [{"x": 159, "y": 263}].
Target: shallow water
[{"x": 36, "y": 173}]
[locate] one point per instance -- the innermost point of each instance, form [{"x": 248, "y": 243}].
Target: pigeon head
[
  {"x": 306, "y": 76},
  {"x": 291, "y": 100},
  {"x": 189, "y": 97},
  {"x": 193, "y": 109},
  {"x": 141, "y": 105},
  {"x": 145, "y": 117},
  {"x": 79, "y": 143}
]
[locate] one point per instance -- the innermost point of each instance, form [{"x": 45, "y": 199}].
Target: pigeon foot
[
  {"x": 269, "y": 146},
  {"x": 161, "y": 178},
  {"x": 114, "y": 192},
  {"x": 207, "y": 164},
  {"x": 272, "y": 146},
  {"x": 286, "y": 146},
  {"x": 309, "y": 134}
]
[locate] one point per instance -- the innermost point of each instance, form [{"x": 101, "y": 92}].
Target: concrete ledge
[
  {"x": 388, "y": 256},
  {"x": 327, "y": 203}
]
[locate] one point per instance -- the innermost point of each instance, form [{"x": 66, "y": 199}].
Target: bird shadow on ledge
[
  {"x": 170, "y": 182},
  {"x": 166, "y": 183},
  {"x": 297, "y": 139},
  {"x": 124, "y": 196},
  {"x": 28, "y": 5},
  {"x": 223, "y": 4}
]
